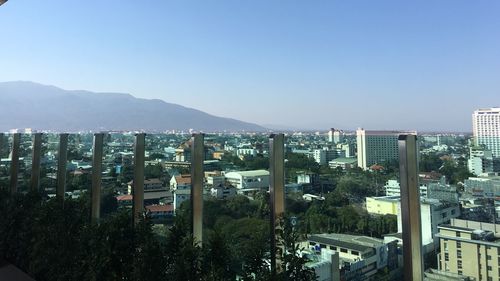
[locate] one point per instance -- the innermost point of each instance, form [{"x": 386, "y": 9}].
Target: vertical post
[
  {"x": 138, "y": 183},
  {"x": 35, "y": 164},
  {"x": 97, "y": 151},
  {"x": 197, "y": 157},
  {"x": 1, "y": 147},
  {"x": 62, "y": 159},
  {"x": 410, "y": 208},
  {"x": 14, "y": 162},
  {"x": 277, "y": 192},
  {"x": 1, "y": 144}
]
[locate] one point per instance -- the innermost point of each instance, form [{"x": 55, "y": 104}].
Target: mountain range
[{"x": 41, "y": 107}]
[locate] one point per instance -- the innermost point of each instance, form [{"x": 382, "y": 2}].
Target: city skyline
[{"x": 386, "y": 65}]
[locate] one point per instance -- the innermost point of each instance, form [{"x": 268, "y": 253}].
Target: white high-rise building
[
  {"x": 335, "y": 136},
  {"x": 486, "y": 129},
  {"x": 377, "y": 147}
]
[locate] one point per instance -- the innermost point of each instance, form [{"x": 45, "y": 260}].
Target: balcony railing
[{"x": 412, "y": 238}]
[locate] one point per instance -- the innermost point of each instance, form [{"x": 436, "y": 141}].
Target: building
[
  {"x": 384, "y": 205},
  {"x": 323, "y": 156},
  {"x": 180, "y": 181},
  {"x": 486, "y": 129},
  {"x": 344, "y": 163},
  {"x": 377, "y": 147},
  {"x": 248, "y": 181},
  {"x": 154, "y": 191},
  {"x": 160, "y": 212},
  {"x": 470, "y": 249},
  {"x": 223, "y": 192},
  {"x": 433, "y": 214},
  {"x": 335, "y": 136},
  {"x": 360, "y": 257},
  {"x": 483, "y": 187},
  {"x": 480, "y": 161},
  {"x": 392, "y": 188}
]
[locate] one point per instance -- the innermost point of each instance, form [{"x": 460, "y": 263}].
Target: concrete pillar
[
  {"x": 197, "y": 175},
  {"x": 97, "y": 152},
  {"x": 138, "y": 185},
  {"x": 410, "y": 208},
  {"x": 277, "y": 195}
]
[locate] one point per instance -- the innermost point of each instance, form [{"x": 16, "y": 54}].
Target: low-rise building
[
  {"x": 344, "y": 163},
  {"x": 360, "y": 257},
  {"x": 384, "y": 205},
  {"x": 160, "y": 212},
  {"x": 248, "y": 181},
  {"x": 470, "y": 249},
  {"x": 223, "y": 192}
]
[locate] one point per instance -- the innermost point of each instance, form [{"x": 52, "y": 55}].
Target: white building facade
[{"x": 486, "y": 129}]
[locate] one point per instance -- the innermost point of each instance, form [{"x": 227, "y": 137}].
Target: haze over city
[{"x": 299, "y": 64}]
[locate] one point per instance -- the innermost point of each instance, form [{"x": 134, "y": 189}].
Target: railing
[{"x": 412, "y": 237}]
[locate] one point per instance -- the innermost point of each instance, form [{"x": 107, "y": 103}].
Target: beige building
[
  {"x": 386, "y": 205},
  {"x": 470, "y": 249}
]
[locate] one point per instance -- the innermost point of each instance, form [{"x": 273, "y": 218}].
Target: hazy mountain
[{"x": 41, "y": 107}]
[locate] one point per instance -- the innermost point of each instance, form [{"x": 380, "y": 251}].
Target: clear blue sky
[{"x": 373, "y": 64}]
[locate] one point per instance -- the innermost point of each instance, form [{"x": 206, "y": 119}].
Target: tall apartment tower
[
  {"x": 335, "y": 136},
  {"x": 486, "y": 129},
  {"x": 377, "y": 147}
]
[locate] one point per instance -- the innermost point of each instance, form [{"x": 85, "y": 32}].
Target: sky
[{"x": 423, "y": 65}]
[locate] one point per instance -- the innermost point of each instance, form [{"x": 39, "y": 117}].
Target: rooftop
[
  {"x": 254, "y": 173},
  {"x": 354, "y": 242}
]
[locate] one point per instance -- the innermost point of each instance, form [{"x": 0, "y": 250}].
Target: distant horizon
[
  {"x": 268, "y": 126},
  {"x": 423, "y": 65}
]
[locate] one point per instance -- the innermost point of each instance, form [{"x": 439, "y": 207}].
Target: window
[
  {"x": 343, "y": 250},
  {"x": 459, "y": 272},
  {"x": 322, "y": 246},
  {"x": 458, "y": 234},
  {"x": 489, "y": 268},
  {"x": 459, "y": 245},
  {"x": 446, "y": 257},
  {"x": 459, "y": 264},
  {"x": 333, "y": 248},
  {"x": 488, "y": 257},
  {"x": 356, "y": 253},
  {"x": 459, "y": 254}
]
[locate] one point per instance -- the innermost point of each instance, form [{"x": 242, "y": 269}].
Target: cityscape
[{"x": 342, "y": 192}]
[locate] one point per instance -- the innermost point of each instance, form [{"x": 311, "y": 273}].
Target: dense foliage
[{"x": 54, "y": 241}]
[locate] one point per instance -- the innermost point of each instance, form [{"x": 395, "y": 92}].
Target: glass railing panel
[
  {"x": 117, "y": 172},
  {"x": 5, "y": 148},
  {"x": 48, "y": 164},
  {"x": 25, "y": 162},
  {"x": 236, "y": 199},
  {"x": 79, "y": 165}
]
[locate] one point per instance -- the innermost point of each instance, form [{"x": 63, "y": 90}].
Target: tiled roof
[
  {"x": 160, "y": 208},
  {"x": 124, "y": 197},
  {"x": 183, "y": 179}
]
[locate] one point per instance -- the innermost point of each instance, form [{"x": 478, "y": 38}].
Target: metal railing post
[
  {"x": 97, "y": 151},
  {"x": 35, "y": 163},
  {"x": 277, "y": 195},
  {"x": 197, "y": 158},
  {"x": 14, "y": 162},
  {"x": 138, "y": 183},
  {"x": 62, "y": 159},
  {"x": 410, "y": 208}
]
